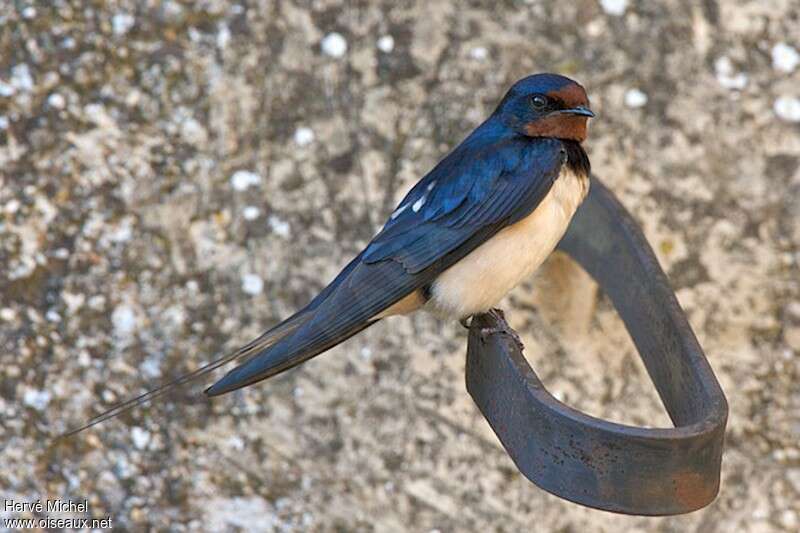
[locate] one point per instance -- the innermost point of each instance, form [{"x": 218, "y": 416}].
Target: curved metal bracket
[{"x": 587, "y": 460}]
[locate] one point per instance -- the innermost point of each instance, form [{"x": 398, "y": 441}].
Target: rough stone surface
[{"x": 136, "y": 137}]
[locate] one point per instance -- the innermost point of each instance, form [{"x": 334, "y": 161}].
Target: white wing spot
[
  {"x": 399, "y": 211},
  {"x": 416, "y": 206}
]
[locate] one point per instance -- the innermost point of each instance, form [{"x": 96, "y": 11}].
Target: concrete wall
[{"x": 174, "y": 178}]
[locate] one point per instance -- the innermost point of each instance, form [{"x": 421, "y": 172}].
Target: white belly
[{"x": 480, "y": 280}]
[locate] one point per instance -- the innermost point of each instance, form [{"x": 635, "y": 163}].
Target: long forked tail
[
  {"x": 287, "y": 353},
  {"x": 247, "y": 352},
  {"x": 254, "y": 347},
  {"x": 354, "y": 304}
]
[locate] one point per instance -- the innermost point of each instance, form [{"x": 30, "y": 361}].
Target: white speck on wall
[
  {"x": 37, "y": 399},
  {"x": 124, "y": 321},
  {"x": 727, "y": 77},
  {"x": 479, "y": 53},
  {"x": 175, "y": 316},
  {"x": 223, "y": 37},
  {"x": 21, "y": 78},
  {"x": 6, "y": 89},
  {"x": 304, "y": 136},
  {"x": 279, "y": 227},
  {"x": 123, "y": 468},
  {"x": 245, "y": 513},
  {"x": 614, "y": 7},
  {"x": 243, "y": 179},
  {"x": 235, "y": 442},
  {"x": 97, "y": 302},
  {"x": 7, "y": 314},
  {"x": 140, "y": 437},
  {"x": 787, "y": 108},
  {"x": 121, "y": 232},
  {"x": 366, "y": 353},
  {"x": 386, "y": 44},
  {"x": 53, "y": 316},
  {"x": 793, "y": 310},
  {"x": 252, "y": 284},
  {"x": 789, "y": 520},
  {"x": 334, "y": 45},
  {"x": 193, "y": 132},
  {"x": 785, "y": 57},
  {"x": 12, "y": 206},
  {"x": 73, "y": 301},
  {"x": 29, "y": 12},
  {"x": 95, "y": 113},
  {"x": 121, "y": 23},
  {"x": 251, "y": 212},
  {"x": 3, "y": 122},
  {"x": 56, "y": 101},
  {"x": 151, "y": 367},
  {"x": 635, "y": 98}
]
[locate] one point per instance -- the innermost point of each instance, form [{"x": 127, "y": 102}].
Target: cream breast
[{"x": 480, "y": 280}]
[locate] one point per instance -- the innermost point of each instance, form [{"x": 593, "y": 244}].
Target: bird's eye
[{"x": 538, "y": 101}]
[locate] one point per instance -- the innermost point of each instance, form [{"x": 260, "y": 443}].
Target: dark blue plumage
[
  {"x": 492, "y": 182},
  {"x": 414, "y": 248},
  {"x": 501, "y": 180},
  {"x": 495, "y": 177}
]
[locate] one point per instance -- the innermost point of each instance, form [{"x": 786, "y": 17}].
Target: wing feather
[{"x": 406, "y": 256}]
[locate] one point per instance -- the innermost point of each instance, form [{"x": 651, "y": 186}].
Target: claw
[{"x": 502, "y": 327}]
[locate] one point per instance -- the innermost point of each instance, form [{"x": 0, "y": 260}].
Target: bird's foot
[{"x": 501, "y": 327}]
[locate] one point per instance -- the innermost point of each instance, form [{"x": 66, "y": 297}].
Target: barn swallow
[{"x": 469, "y": 231}]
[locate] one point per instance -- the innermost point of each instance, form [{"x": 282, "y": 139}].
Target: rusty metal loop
[{"x": 593, "y": 462}]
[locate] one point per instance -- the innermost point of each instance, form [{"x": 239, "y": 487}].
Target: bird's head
[{"x": 546, "y": 105}]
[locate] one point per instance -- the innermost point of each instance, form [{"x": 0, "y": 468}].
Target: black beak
[{"x": 580, "y": 110}]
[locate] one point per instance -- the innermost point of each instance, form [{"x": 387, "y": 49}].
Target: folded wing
[{"x": 446, "y": 216}]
